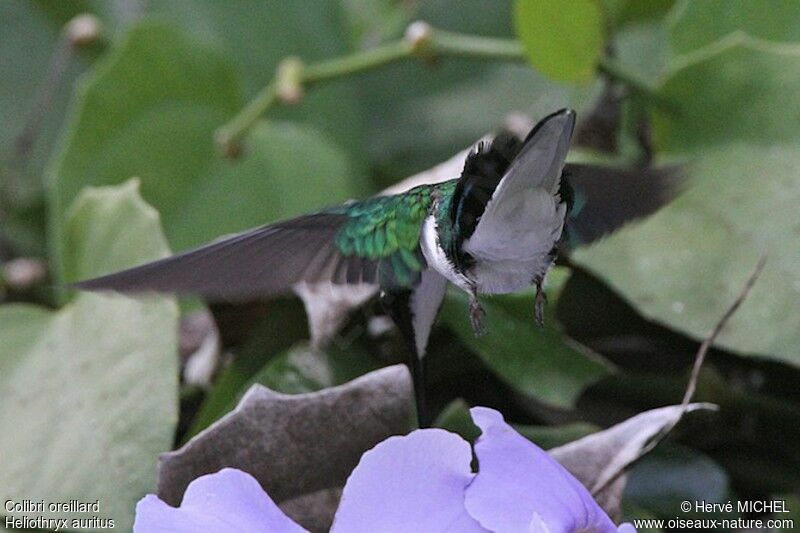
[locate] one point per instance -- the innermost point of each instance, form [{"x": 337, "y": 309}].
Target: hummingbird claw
[
  {"x": 539, "y": 302},
  {"x": 476, "y": 315}
]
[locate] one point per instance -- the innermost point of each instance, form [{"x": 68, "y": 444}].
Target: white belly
[
  {"x": 512, "y": 246},
  {"x": 496, "y": 275},
  {"x": 503, "y": 277}
]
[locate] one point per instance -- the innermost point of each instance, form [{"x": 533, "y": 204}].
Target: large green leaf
[
  {"x": 697, "y": 24},
  {"x": 674, "y": 474},
  {"x": 687, "y": 264},
  {"x": 150, "y": 110},
  {"x": 564, "y": 40},
  {"x": 729, "y": 110},
  {"x": 623, "y": 12},
  {"x": 258, "y": 34},
  {"x": 89, "y": 393},
  {"x": 539, "y": 362},
  {"x": 736, "y": 89}
]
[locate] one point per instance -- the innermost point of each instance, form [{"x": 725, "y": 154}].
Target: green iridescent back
[{"x": 387, "y": 229}]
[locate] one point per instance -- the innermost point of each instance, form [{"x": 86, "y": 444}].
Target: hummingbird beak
[{"x": 541, "y": 159}]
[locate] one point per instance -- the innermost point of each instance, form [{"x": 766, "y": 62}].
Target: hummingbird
[{"x": 495, "y": 229}]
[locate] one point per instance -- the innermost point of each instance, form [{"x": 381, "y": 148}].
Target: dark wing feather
[
  {"x": 606, "y": 198},
  {"x": 373, "y": 241},
  {"x": 261, "y": 262}
]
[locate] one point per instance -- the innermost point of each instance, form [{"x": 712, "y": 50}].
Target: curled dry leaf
[
  {"x": 314, "y": 511},
  {"x": 600, "y": 459},
  {"x": 295, "y": 445}
]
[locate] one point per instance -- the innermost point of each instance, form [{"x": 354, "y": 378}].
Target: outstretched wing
[
  {"x": 603, "y": 199},
  {"x": 373, "y": 241}
]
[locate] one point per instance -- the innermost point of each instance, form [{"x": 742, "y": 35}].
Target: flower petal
[
  {"x": 519, "y": 487},
  {"x": 227, "y": 501},
  {"x": 411, "y": 483}
]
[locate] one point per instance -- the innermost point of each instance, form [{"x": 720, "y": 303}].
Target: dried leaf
[
  {"x": 598, "y": 460},
  {"x": 314, "y": 511},
  {"x": 295, "y": 444}
]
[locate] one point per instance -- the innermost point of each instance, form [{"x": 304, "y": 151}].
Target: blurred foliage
[
  {"x": 30, "y": 42},
  {"x": 90, "y": 391},
  {"x": 717, "y": 90},
  {"x": 697, "y": 24},
  {"x": 564, "y": 40},
  {"x": 155, "y": 103},
  {"x": 540, "y": 363},
  {"x": 674, "y": 474},
  {"x": 719, "y": 106}
]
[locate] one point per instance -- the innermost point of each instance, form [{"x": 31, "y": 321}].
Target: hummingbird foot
[
  {"x": 538, "y": 304},
  {"x": 476, "y": 316}
]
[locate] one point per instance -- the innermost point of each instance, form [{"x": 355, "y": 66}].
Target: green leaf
[
  {"x": 28, "y": 34},
  {"x": 674, "y": 474},
  {"x": 697, "y": 24},
  {"x": 643, "y": 48},
  {"x": 552, "y": 436},
  {"x": 624, "y": 12},
  {"x": 685, "y": 266},
  {"x": 736, "y": 89},
  {"x": 110, "y": 229},
  {"x": 792, "y": 504},
  {"x": 150, "y": 110},
  {"x": 303, "y": 369},
  {"x": 284, "y": 363},
  {"x": 256, "y": 36},
  {"x": 539, "y": 362},
  {"x": 455, "y": 417},
  {"x": 632, "y": 512},
  {"x": 284, "y": 315},
  {"x": 91, "y": 391},
  {"x": 564, "y": 40}
]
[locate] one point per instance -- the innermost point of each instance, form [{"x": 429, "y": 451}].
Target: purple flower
[{"x": 420, "y": 482}]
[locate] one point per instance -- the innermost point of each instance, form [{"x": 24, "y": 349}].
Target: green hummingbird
[{"x": 495, "y": 229}]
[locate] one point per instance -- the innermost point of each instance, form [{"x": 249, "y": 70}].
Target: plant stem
[
  {"x": 358, "y": 62},
  {"x": 227, "y": 137},
  {"x": 446, "y": 43},
  {"x": 421, "y": 42}
]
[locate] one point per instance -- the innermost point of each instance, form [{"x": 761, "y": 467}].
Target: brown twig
[
  {"x": 691, "y": 386},
  {"x": 700, "y": 358}
]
